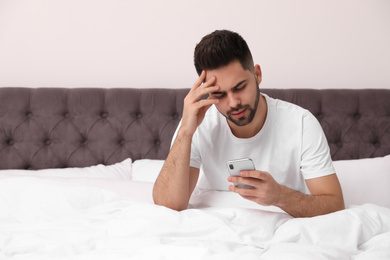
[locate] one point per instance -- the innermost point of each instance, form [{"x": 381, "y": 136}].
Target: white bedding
[{"x": 111, "y": 219}]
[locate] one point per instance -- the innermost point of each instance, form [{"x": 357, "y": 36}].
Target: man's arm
[
  {"x": 326, "y": 194},
  {"x": 177, "y": 180}
]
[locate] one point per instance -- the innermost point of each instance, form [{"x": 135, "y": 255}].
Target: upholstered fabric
[
  {"x": 55, "y": 128},
  {"x": 356, "y": 122}
]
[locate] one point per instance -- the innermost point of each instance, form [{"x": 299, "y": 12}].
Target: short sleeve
[{"x": 316, "y": 160}]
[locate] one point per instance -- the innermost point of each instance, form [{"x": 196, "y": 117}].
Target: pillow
[
  {"x": 146, "y": 170},
  {"x": 118, "y": 171},
  {"x": 365, "y": 180}
]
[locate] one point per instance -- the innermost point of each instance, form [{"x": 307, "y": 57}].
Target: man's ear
[{"x": 258, "y": 74}]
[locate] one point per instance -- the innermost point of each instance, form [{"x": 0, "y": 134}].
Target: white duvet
[{"x": 48, "y": 219}]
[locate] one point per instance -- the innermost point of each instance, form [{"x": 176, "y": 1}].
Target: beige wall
[{"x": 124, "y": 43}]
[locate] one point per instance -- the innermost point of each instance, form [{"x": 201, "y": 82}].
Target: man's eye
[
  {"x": 240, "y": 87},
  {"x": 217, "y": 95}
]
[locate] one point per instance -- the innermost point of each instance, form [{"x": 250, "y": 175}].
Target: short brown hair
[{"x": 220, "y": 48}]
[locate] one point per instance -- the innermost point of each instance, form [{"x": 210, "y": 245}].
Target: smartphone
[{"x": 235, "y": 166}]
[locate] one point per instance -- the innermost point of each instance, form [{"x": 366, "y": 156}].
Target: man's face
[{"x": 238, "y": 92}]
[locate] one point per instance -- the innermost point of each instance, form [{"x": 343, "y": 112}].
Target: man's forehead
[{"x": 227, "y": 82}]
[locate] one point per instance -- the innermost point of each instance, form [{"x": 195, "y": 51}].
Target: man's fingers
[
  {"x": 244, "y": 180},
  {"x": 265, "y": 191},
  {"x": 199, "y": 89},
  {"x": 206, "y": 102},
  {"x": 200, "y": 80},
  {"x": 243, "y": 191},
  {"x": 261, "y": 175},
  {"x": 252, "y": 178},
  {"x": 249, "y": 176}
]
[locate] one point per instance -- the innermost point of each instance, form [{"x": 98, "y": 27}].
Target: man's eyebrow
[{"x": 238, "y": 84}]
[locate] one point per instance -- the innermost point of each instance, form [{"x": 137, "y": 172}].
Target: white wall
[{"x": 119, "y": 43}]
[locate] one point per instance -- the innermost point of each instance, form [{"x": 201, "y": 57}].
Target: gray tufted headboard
[{"x": 55, "y": 128}]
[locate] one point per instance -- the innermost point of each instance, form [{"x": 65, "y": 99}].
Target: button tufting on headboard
[
  {"x": 357, "y": 116},
  {"x": 10, "y": 142},
  {"x": 354, "y": 120},
  {"x": 29, "y": 115},
  {"x": 104, "y": 114},
  {"x": 53, "y": 128},
  {"x": 175, "y": 116}
]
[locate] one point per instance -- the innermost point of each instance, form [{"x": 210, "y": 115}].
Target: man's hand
[
  {"x": 326, "y": 194},
  {"x": 195, "y": 109},
  {"x": 266, "y": 191}
]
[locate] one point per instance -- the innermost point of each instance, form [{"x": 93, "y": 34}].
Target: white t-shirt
[{"x": 291, "y": 146}]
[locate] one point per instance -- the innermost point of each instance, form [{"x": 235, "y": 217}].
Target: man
[{"x": 294, "y": 170}]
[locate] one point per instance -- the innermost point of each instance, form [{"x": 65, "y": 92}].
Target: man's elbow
[
  {"x": 174, "y": 206},
  {"x": 340, "y": 205},
  {"x": 337, "y": 205},
  {"x": 169, "y": 202}
]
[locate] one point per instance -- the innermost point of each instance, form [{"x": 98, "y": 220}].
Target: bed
[{"x": 78, "y": 167}]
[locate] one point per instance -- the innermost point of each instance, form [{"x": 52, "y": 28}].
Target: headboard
[{"x": 57, "y": 127}]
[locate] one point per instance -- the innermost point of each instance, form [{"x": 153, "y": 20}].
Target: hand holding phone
[{"x": 235, "y": 166}]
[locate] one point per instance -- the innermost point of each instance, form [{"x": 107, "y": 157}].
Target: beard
[{"x": 245, "y": 120}]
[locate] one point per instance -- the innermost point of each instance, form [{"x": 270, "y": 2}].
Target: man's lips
[{"x": 239, "y": 113}]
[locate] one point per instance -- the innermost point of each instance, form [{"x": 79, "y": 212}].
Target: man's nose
[{"x": 233, "y": 100}]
